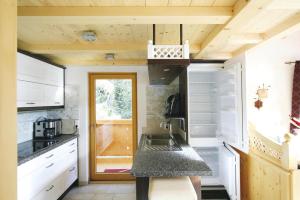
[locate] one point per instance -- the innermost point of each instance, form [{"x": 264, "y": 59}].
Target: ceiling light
[
  {"x": 89, "y": 36},
  {"x": 166, "y": 69},
  {"x": 109, "y": 56}
]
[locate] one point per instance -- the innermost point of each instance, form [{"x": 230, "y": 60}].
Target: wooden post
[
  {"x": 8, "y": 108},
  {"x": 289, "y": 154}
]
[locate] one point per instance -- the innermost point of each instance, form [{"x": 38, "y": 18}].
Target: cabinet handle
[
  {"x": 50, "y": 156},
  {"x": 56, "y": 102},
  {"x": 72, "y": 151},
  {"x": 50, "y": 165},
  {"x": 30, "y": 103},
  {"x": 72, "y": 144},
  {"x": 52, "y": 186},
  {"x": 72, "y": 169}
]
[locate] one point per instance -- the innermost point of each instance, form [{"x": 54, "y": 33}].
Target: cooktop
[{"x": 28, "y": 148}]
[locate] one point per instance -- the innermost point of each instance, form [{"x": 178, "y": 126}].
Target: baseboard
[{"x": 83, "y": 183}]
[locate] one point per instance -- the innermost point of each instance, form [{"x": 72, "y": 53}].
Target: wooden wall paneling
[
  {"x": 296, "y": 185},
  {"x": 270, "y": 170},
  {"x": 8, "y": 104}
]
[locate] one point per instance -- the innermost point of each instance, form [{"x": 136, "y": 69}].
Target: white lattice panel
[
  {"x": 257, "y": 144},
  {"x": 168, "y": 51}
]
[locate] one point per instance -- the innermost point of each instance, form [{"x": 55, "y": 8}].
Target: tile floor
[{"x": 105, "y": 191}]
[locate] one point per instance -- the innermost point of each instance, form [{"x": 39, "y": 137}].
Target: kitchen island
[{"x": 184, "y": 162}]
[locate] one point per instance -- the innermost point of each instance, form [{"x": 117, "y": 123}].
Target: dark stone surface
[
  {"x": 33, "y": 148},
  {"x": 169, "y": 163}
]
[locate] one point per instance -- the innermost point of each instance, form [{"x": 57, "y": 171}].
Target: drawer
[
  {"x": 56, "y": 188},
  {"x": 29, "y": 185},
  {"x": 36, "y": 163},
  {"x": 55, "y": 154}
]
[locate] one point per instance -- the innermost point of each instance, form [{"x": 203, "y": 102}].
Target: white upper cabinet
[{"x": 39, "y": 84}]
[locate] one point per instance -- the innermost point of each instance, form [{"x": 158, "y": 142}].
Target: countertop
[
  {"x": 169, "y": 163},
  {"x": 33, "y": 148}
]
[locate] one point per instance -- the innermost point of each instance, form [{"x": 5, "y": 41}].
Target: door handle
[
  {"x": 50, "y": 156},
  {"x": 72, "y": 151},
  {"x": 52, "y": 186},
  {"x": 50, "y": 165},
  {"x": 72, "y": 169}
]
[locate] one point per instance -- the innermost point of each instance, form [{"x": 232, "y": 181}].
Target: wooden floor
[{"x": 103, "y": 191}]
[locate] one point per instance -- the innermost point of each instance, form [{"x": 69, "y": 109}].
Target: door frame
[{"x": 94, "y": 176}]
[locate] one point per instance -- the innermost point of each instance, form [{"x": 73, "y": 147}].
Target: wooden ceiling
[{"x": 216, "y": 29}]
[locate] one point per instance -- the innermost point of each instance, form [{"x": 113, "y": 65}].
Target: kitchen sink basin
[
  {"x": 160, "y": 143},
  {"x": 159, "y": 137},
  {"x": 165, "y": 142}
]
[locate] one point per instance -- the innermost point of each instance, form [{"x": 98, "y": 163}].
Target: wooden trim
[
  {"x": 119, "y": 121},
  {"x": 96, "y": 62},
  {"x": 92, "y": 124}
]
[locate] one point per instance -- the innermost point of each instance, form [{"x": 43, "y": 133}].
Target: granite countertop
[
  {"x": 33, "y": 148},
  {"x": 169, "y": 163}
]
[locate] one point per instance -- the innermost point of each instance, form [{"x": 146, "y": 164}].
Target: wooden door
[{"x": 113, "y": 125}]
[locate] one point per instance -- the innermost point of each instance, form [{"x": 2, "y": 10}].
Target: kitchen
[{"x": 101, "y": 111}]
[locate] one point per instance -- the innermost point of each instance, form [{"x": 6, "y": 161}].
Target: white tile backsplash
[{"x": 25, "y": 124}]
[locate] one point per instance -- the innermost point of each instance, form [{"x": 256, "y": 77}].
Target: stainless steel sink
[
  {"x": 158, "y": 136},
  {"x": 165, "y": 142},
  {"x": 160, "y": 143}
]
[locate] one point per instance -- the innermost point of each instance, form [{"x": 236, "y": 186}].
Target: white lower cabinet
[
  {"x": 48, "y": 176},
  {"x": 59, "y": 185}
]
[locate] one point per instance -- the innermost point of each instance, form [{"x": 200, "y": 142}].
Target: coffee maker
[{"x": 47, "y": 128}]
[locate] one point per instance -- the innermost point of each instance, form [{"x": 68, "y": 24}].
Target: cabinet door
[
  {"x": 30, "y": 69},
  {"x": 30, "y": 94},
  {"x": 229, "y": 169},
  {"x": 54, "y": 95},
  {"x": 55, "y": 75},
  {"x": 231, "y": 105}
]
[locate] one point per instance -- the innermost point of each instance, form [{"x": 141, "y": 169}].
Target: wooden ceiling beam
[
  {"x": 243, "y": 12},
  {"x": 284, "y": 5},
  {"x": 246, "y": 38},
  {"x": 282, "y": 29},
  {"x": 89, "y": 47},
  {"x": 124, "y": 15},
  {"x": 97, "y": 62}
]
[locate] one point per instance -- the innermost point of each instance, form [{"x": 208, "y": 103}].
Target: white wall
[
  {"x": 78, "y": 75},
  {"x": 266, "y": 65}
]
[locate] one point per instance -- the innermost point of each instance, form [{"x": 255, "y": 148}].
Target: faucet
[{"x": 169, "y": 126}]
